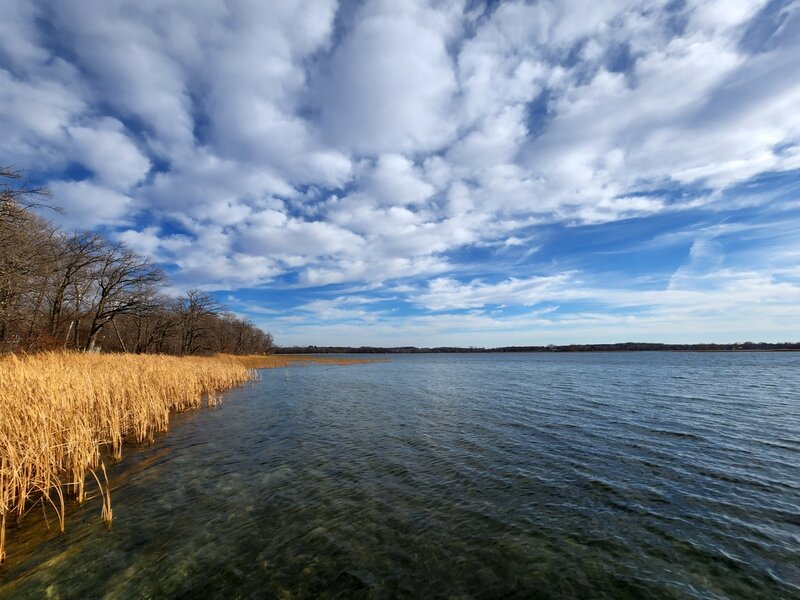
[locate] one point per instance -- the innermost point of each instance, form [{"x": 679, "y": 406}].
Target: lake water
[{"x": 622, "y": 475}]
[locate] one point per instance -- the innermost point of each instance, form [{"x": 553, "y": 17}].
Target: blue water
[{"x": 624, "y": 475}]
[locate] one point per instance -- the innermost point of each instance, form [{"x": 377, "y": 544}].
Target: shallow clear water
[{"x": 515, "y": 475}]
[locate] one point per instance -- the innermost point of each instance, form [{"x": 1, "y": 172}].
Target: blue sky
[{"x": 430, "y": 173}]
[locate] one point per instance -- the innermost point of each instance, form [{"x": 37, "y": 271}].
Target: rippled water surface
[{"x": 664, "y": 475}]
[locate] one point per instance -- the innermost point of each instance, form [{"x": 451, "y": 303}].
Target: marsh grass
[{"x": 63, "y": 414}]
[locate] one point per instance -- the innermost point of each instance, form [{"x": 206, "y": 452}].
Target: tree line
[
  {"x": 619, "y": 347},
  {"x": 78, "y": 290}
]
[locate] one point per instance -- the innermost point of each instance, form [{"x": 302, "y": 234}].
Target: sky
[{"x": 430, "y": 173}]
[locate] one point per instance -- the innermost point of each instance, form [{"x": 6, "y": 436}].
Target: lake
[{"x": 616, "y": 475}]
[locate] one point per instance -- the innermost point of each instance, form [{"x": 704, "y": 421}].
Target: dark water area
[{"x": 631, "y": 475}]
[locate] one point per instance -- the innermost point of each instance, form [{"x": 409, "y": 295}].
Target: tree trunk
[{"x": 119, "y": 337}]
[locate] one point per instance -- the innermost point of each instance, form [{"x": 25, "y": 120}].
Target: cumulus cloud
[
  {"x": 86, "y": 204},
  {"x": 36, "y": 109},
  {"x": 436, "y": 145},
  {"x": 389, "y": 84},
  {"x": 93, "y": 145}
]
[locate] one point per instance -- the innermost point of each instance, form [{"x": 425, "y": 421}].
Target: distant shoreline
[{"x": 621, "y": 347}]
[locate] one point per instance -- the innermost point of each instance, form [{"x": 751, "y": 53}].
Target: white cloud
[
  {"x": 396, "y": 182},
  {"x": 373, "y": 269},
  {"x": 95, "y": 145},
  {"x": 122, "y": 51},
  {"x": 201, "y": 182},
  {"x": 705, "y": 256},
  {"x": 389, "y": 86},
  {"x": 147, "y": 241},
  {"x": 19, "y": 39},
  {"x": 87, "y": 204},
  {"x": 727, "y": 306},
  {"x": 273, "y": 234},
  {"x": 34, "y": 112},
  {"x": 539, "y": 328},
  {"x": 445, "y": 293},
  {"x": 382, "y": 141}
]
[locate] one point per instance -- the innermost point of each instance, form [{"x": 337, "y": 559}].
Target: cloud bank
[{"x": 512, "y": 172}]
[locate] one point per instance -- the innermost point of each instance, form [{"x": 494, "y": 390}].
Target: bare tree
[
  {"x": 75, "y": 260},
  {"x": 229, "y": 332},
  {"x": 156, "y": 330},
  {"x": 125, "y": 283},
  {"x": 195, "y": 311},
  {"x": 17, "y": 196},
  {"x": 25, "y": 243},
  {"x": 68, "y": 289}
]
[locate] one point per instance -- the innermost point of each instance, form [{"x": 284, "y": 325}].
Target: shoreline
[
  {"x": 577, "y": 348},
  {"x": 63, "y": 415}
]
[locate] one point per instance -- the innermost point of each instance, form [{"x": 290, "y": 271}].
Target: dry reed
[{"x": 61, "y": 412}]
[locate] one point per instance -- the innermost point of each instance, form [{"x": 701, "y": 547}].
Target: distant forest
[
  {"x": 78, "y": 290},
  {"x": 623, "y": 347}
]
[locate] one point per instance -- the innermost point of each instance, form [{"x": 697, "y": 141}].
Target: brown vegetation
[{"x": 62, "y": 412}]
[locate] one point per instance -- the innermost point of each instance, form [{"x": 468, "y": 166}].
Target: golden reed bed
[{"x": 60, "y": 413}]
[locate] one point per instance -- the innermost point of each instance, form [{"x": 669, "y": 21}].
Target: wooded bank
[{"x": 78, "y": 290}]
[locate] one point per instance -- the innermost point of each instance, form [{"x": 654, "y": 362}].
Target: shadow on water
[{"x": 551, "y": 476}]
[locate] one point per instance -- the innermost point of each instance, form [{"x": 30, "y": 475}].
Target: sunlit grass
[{"x": 61, "y": 413}]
